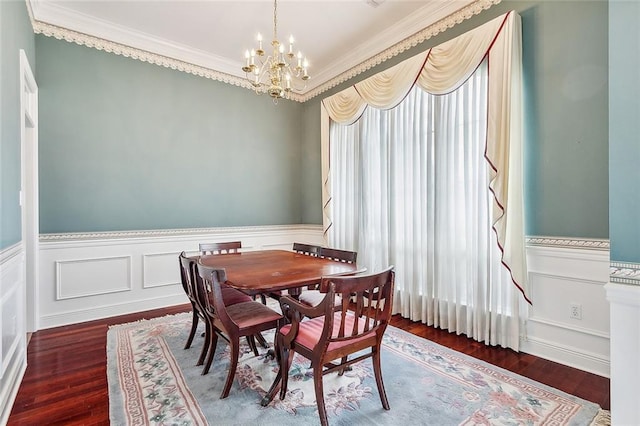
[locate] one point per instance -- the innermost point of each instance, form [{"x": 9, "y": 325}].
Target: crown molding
[
  {"x": 76, "y": 28},
  {"x": 449, "y": 21}
]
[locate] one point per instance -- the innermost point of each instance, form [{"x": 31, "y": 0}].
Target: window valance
[{"x": 443, "y": 69}]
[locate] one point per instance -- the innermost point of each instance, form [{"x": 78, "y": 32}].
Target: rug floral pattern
[{"x": 150, "y": 385}]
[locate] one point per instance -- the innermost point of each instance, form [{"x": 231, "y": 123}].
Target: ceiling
[{"x": 336, "y": 36}]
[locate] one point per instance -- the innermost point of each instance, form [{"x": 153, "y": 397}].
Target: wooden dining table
[{"x": 271, "y": 271}]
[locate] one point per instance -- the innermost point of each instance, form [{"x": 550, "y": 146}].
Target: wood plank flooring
[{"x": 66, "y": 381}]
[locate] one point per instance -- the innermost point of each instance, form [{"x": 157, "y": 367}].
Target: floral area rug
[{"x": 154, "y": 381}]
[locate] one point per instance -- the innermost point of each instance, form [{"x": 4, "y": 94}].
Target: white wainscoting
[
  {"x": 565, "y": 273},
  {"x": 90, "y": 276},
  {"x": 13, "y": 356}
]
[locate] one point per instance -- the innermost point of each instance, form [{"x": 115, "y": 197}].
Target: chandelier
[{"x": 279, "y": 73}]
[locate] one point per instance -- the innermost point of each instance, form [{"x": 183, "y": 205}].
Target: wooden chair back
[
  {"x": 208, "y": 284},
  {"x": 339, "y": 255},
  {"x": 187, "y": 270},
  {"x": 368, "y": 298},
  {"x": 220, "y": 248},
  {"x": 306, "y": 249}
]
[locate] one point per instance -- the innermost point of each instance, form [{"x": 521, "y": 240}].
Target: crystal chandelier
[{"x": 279, "y": 73}]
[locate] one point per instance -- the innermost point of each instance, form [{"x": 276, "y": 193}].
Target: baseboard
[
  {"x": 574, "y": 357},
  {"x": 10, "y": 386}
]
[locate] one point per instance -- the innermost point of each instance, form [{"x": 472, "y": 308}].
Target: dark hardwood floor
[{"x": 66, "y": 381}]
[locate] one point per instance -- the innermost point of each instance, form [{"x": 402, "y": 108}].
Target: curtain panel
[{"x": 440, "y": 70}]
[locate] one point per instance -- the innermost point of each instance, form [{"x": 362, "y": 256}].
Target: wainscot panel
[
  {"x": 91, "y": 276},
  {"x": 13, "y": 356},
  {"x": 569, "y": 319}
]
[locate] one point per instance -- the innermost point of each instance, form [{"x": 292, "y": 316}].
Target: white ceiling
[{"x": 334, "y": 35}]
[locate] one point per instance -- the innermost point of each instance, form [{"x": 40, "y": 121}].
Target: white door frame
[{"x": 29, "y": 189}]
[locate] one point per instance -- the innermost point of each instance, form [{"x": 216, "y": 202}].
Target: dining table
[{"x": 272, "y": 272}]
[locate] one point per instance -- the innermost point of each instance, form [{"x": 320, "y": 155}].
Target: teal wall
[
  {"x": 15, "y": 34},
  {"x": 624, "y": 130},
  {"x": 126, "y": 145},
  {"x": 566, "y": 119}
]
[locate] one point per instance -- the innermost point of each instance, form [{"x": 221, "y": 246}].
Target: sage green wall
[
  {"x": 15, "y": 34},
  {"x": 311, "y": 164},
  {"x": 566, "y": 114},
  {"x": 126, "y": 145},
  {"x": 624, "y": 130}
]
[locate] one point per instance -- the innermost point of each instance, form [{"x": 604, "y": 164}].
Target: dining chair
[
  {"x": 190, "y": 284},
  {"x": 338, "y": 255},
  {"x": 335, "y": 334},
  {"x": 222, "y": 248},
  {"x": 313, "y": 297},
  {"x": 307, "y": 249},
  {"x": 232, "y": 322}
]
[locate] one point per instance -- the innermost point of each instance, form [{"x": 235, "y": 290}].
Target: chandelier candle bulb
[{"x": 260, "y": 51}]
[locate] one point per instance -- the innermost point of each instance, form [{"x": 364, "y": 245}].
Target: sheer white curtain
[{"x": 410, "y": 187}]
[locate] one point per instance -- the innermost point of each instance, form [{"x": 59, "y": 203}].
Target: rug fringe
[
  {"x": 144, "y": 320},
  {"x": 603, "y": 418}
]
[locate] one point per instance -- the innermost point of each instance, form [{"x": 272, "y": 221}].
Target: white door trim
[{"x": 29, "y": 188}]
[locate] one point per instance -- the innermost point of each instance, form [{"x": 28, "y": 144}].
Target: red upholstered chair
[
  {"x": 190, "y": 284},
  {"x": 336, "y": 332},
  {"x": 244, "y": 319}
]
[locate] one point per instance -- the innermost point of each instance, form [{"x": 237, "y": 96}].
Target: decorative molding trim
[
  {"x": 430, "y": 31},
  {"x": 566, "y": 242},
  {"x": 82, "y": 265},
  {"x": 10, "y": 252},
  {"x": 564, "y": 326},
  {"x": 624, "y": 273},
  {"x": 162, "y": 233}
]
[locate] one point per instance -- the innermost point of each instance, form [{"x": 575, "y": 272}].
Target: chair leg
[
  {"x": 378, "y": 373},
  {"x": 194, "y": 326},
  {"x": 286, "y": 357},
  {"x": 343, "y": 369},
  {"x": 235, "y": 353},
  {"x": 262, "y": 340},
  {"x": 212, "y": 351},
  {"x": 206, "y": 344},
  {"x": 252, "y": 345},
  {"x": 317, "y": 381}
]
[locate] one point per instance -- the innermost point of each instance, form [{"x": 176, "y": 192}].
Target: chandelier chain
[{"x": 275, "y": 19}]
